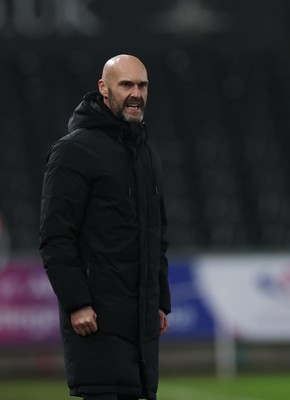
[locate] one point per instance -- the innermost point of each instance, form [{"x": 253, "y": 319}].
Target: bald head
[
  {"x": 124, "y": 86},
  {"x": 122, "y": 63}
]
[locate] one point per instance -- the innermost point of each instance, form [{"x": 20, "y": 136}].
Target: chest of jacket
[{"x": 123, "y": 191}]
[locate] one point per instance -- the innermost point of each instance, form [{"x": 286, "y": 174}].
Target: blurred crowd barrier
[{"x": 230, "y": 313}]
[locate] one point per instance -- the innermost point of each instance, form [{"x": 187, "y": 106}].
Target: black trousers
[{"x": 109, "y": 396}]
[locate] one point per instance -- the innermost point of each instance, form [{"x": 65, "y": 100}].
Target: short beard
[
  {"x": 120, "y": 113},
  {"x": 129, "y": 118}
]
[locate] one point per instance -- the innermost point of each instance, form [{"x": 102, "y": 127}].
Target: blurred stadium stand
[{"x": 218, "y": 109}]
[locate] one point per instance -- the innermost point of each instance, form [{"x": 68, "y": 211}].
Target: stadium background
[{"x": 218, "y": 113}]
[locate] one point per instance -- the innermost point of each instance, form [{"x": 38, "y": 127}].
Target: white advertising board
[{"x": 249, "y": 295}]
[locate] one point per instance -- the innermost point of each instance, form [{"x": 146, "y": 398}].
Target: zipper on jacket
[{"x": 130, "y": 191}]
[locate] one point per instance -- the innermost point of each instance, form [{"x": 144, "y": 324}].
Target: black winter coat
[{"x": 102, "y": 244}]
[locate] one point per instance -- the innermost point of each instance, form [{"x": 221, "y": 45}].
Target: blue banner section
[{"x": 190, "y": 316}]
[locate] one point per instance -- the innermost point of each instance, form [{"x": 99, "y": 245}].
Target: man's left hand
[{"x": 164, "y": 325}]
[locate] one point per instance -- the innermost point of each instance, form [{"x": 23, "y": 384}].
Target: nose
[{"x": 136, "y": 91}]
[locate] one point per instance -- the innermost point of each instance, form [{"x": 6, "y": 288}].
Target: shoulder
[
  {"x": 78, "y": 137},
  {"x": 79, "y": 143},
  {"x": 67, "y": 153}
]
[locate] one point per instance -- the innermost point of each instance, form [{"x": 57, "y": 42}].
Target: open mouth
[{"x": 135, "y": 106}]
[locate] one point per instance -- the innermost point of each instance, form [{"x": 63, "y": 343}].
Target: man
[{"x": 102, "y": 240}]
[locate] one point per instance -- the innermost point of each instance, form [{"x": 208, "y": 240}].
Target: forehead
[{"x": 130, "y": 71}]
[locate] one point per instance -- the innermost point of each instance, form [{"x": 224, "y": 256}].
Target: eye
[
  {"x": 126, "y": 84},
  {"x": 143, "y": 85}
]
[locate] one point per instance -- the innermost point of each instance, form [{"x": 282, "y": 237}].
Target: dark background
[{"x": 218, "y": 108}]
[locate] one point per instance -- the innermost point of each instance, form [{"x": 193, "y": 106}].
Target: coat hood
[{"x": 92, "y": 113}]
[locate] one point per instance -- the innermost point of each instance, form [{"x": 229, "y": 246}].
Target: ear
[{"x": 103, "y": 88}]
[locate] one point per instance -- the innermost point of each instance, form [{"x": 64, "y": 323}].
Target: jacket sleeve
[
  {"x": 164, "y": 302},
  {"x": 64, "y": 197},
  {"x": 164, "y": 290}
]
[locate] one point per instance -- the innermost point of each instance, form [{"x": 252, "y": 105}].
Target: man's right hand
[{"x": 84, "y": 321}]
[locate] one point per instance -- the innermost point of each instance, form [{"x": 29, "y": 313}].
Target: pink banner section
[{"x": 28, "y": 306}]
